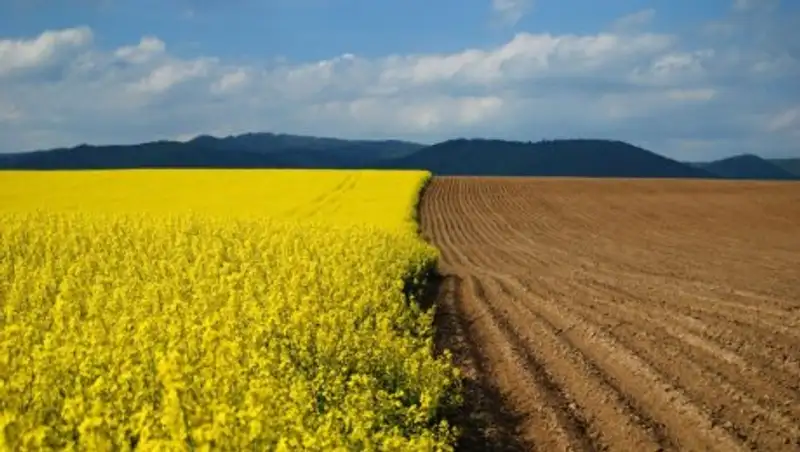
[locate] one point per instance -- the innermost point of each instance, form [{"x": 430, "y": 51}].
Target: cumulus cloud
[
  {"x": 170, "y": 74},
  {"x": 688, "y": 100},
  {"x": 231, "y": 81},
  {"x": 148, "y": 48},
  {"x": 524, "y": 58},
  {"x": 48, "y": 48}
]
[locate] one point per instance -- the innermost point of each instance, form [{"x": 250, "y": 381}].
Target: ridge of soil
[{"x": 629, "y": 315}]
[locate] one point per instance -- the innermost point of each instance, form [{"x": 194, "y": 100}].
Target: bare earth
[{"x": 621, "y": 315}]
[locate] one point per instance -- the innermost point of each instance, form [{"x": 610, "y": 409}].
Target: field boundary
[{"x": 481, "y": 415}]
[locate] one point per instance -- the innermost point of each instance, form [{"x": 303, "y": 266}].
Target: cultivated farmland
[
  {"x": 224, "y": 310},
  {"x": 276, "y": 310},
  {"x": 621, "y": 315}
]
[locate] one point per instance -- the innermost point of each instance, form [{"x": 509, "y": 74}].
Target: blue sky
[{"x": 688, "y": 79}]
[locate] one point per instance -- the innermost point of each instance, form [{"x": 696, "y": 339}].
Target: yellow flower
[{"x": 235, "y": 310}]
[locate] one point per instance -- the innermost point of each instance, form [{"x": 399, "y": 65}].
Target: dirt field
[{"x": 621, "y": 315}]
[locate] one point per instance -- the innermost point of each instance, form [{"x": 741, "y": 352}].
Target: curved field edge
[{"x": 245, "y": 334}]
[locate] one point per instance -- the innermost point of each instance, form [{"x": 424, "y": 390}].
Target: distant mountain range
[{"x": 572, "y": 157}]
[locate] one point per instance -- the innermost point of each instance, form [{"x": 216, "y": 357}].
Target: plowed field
[{"x": 621, "y": 315}]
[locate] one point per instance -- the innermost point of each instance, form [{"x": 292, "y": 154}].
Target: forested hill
[
  {"x": 479, "y": 157},
  {"x": 746, "y": 166},
  {"x": 582, "y": 158},
  {"x": 790, "y": 165}
]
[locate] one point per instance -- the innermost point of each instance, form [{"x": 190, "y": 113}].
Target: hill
[
  {"x": 790, "y": 165},
  {"x": 270, "y": 143},
  {"x": 478, "y": 157},
  {"x": 747, "y": 166},
  {"x": 208, "y": 152},
  {"x": 160, "y": 154},
  {"x": 579, "y": 158},
  {"x": 252, "y": 150}
]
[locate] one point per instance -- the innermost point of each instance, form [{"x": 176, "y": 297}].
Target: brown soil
[{"x": 621, "y": 315}]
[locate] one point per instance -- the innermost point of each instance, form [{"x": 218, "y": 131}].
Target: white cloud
[
  {"x": 164, "y": 77},
  {"x": 674, "y": 67},
  {"x": 510, "y": 12},
  {"x": 48, "y": 48},
  {"x": 148, "y": 48},
  {"x": 231, "y": 81},
  {"x": 650, "y": 88},
  {"x": 525, "y": 56},
  {"x": 410, "y": 116}
]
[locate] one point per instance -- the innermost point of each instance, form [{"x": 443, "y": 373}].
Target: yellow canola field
[
  {"x": 216, "y": 310},
  {"x": 380, "y": 198}
]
